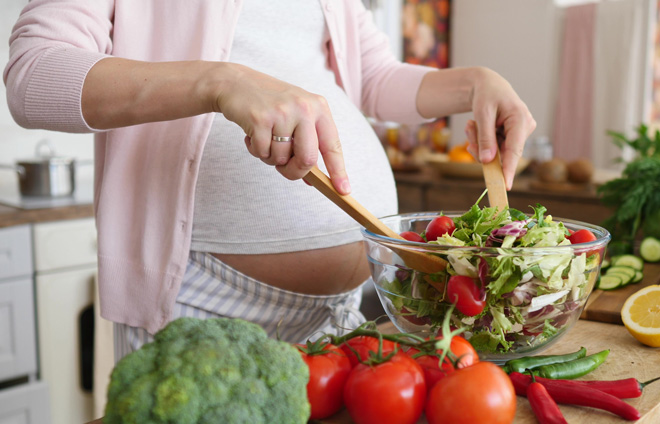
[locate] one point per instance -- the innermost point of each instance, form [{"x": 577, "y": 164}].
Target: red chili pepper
[
  {"x": 623, "y": 389},
  {"x": 570, "y": 393},
  {"x": 544, "y": 407}
]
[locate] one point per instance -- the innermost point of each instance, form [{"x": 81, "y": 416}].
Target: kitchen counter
[
  {"x": 10, "y": 216},
  {"x": 628, "y": 358},
  {"x": 427, "y": 190}
]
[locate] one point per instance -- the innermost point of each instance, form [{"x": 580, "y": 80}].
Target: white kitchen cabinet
[
  {"x": 23, "y": 400},
  {"x": 65, "y": 262},
  {"x": 24, "y": 404}
]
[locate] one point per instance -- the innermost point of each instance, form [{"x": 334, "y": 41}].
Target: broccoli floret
[{"x": 212, "y": 371}]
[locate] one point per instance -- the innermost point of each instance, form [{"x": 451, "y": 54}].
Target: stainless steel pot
[{"x": 46, "y": 175}]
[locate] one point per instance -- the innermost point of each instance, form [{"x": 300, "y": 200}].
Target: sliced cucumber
[
  {"x": 631, "y": 261},
  {"x": 639, "y": 275},
  {"x": 609, "y": 282},
  {"x": 625, "y": 278},
  {"x": 650, "y": 249},
  {"x": 620, "y": 269},
  {"x": 605, "y": 264}
]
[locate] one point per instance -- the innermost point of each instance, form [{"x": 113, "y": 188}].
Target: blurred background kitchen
[{"x": 582, "y": 67}]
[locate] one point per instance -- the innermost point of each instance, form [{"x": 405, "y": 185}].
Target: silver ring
[{"x": 282, "y": 139}]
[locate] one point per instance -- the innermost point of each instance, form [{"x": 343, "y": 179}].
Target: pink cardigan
[{"x": 145, "y": 175}]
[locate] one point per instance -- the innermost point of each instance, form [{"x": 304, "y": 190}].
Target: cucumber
[
  {"x": 619, "y": 269},
  {"x": 639, "y": 275},
  {"x": 605, "y": 264},
  {"x": 650, "y": 249},
  {"x": 609, "y": 282},
  {"x": 632, "y": 261},
  {"x": 625, "y": 278}
]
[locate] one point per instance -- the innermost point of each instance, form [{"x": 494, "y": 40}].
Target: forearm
[
  {"x": 448, "y": 91},
  {"x": 120, "y": 92}
]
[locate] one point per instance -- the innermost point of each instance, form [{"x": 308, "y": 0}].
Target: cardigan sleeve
[
  {"x": 389, "y": 87},
  {"x": 53, "y": 46}
]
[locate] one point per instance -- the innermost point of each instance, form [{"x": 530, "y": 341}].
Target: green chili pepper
[
  {"x": 531, "y": 362},
  {"x": 572, "y": 369}
]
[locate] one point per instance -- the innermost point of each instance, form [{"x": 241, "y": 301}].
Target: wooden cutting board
[{"x": 605, "y": 306}]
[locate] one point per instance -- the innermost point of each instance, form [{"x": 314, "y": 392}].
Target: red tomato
[
  {"x": 465, "y": 293},
  {"x": 433, "y": 372},
  {"x": 391, "y": 392},
  {"x": 439, "y": 226},
  {"x": 478, "y": 394},
  {"x": 328, "y": 373},
  {"x": 583, "y": 236},
  {"x": 363, "y": 345},
  {"x": 412, "y": 236}
]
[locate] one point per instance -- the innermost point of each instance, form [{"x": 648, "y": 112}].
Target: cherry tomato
[
  {"x": 412, "y": 236},
  {"x": 363, "y": 345},
  {"x": 584, "y": 236},
  {"x": 438, "y": 226},
  {"x": 465, "y": 293},
  {"x": 328, "y": 373},
  {"x": 478, "y": 394},
  {"x": 391, "y": 392},
  {"x": 433, "y": 372}
]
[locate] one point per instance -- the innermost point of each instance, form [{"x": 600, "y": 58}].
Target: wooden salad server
[
  {"x": 494, "y": 177},
  {"x": 419, "y": 261}
]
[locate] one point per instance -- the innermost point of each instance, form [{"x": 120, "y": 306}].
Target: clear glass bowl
[{"x": 529, "y": 318}]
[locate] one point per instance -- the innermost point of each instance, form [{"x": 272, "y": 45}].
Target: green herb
[{"x": 635, "y": 196}]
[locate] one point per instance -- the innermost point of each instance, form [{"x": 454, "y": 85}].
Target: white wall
[
  {"x": 17, "y": 142},
  {"x": 516, "y": 38}
]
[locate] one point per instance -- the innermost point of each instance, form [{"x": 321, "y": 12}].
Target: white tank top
[{"x": 244, "y": 206}]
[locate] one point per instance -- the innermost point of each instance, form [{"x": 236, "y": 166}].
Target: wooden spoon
[
  {"x": 495, "y": 184},
  {"x": 416, "y": 260}
]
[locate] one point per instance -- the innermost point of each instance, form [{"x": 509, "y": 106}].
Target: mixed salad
[{"x": 506, "y": 295}]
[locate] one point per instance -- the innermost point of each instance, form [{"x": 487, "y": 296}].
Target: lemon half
[{"x": 641, "y": 315}]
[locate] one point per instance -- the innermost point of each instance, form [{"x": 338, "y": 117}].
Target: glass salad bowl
[{"x": 516, "y": 283}]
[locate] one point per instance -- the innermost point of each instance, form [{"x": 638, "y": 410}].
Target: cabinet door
[
  {"x": 17, "y": 338},
  {"x": 15, "y": 252},
  {"x": 64, "y": 244},
  {"x": 61, "y": 299},
  {"x": 25, "y": 404}
]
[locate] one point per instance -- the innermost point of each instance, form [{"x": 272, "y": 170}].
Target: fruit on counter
[
  {"x": 650, "y": 249},
  {"x": 218, "y": 370},
  {"x": 390, "y": 391},
  {"x": 525, "y": 363},
  {"x": 580, "y": 171},
  {"x": 641, "y": 315},
  {"x": 480, "y": 393},
  {"x": 459, "y": 153},
  {"x": 569, "y": 393},
  {"x": 544, "y": 406},
  {"x": 621, "y": 271},
  {"x": 552, "y": 171},
  {"x": 328, "y": 371}
]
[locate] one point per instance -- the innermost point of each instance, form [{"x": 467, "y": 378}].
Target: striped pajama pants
[{"x": 211, "y": 289}]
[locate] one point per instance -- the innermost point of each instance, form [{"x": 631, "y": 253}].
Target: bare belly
[{"x": 319, "y": 272}]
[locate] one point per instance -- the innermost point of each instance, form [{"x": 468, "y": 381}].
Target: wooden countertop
[
  {"x": 628, "y": 358},
  {"x": 10, "y": 216}
]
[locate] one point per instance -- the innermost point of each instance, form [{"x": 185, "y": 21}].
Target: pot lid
[{"x": 45, "y": 154}]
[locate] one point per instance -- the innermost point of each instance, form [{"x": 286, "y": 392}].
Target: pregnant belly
[{"x": 318, "y": 272}]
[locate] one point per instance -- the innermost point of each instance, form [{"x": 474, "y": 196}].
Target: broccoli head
[{"x": 218, "y": 370}]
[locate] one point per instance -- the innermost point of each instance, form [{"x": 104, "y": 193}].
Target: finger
[
  {"x": 486, "y": 138},
  {"x": 260, "y": 140},
  {"x": 471, "y": 133},
  {"x": 281, "y": 151},
  {"x": 330, "y": 148},
  {"x": 305, "y": 151},
  {"x": 511, "y": 152}
]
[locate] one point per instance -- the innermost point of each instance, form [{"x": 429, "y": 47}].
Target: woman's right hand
[{"x": 264, "y": 107}]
